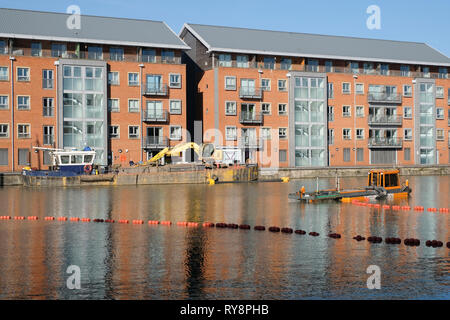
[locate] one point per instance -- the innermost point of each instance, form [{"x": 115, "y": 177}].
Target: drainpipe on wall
[
  {"x": 141, "y": 67},
  {"x": 56, "y": 63},
  {"x": 11, "y": 58}
]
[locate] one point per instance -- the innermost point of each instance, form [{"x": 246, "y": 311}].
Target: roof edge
[{"x": 191, "y": 30}]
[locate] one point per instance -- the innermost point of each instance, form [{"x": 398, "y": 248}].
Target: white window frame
[
  {"x": 226, "y": 109},
  {"x": 405, "y": 116},
  {"x": 227, "y": 62},
  {"x": 441, "y": 115},
  {"x": 285, "y": 112},
  {"x": 52, "y": 107},
  {"x": 264, "y": 136},
  {"x": 231, "y": 88},
  {"x": 359, "y": 115},
  {"x": 441, "y": 94},
  {"x": 29, "y": 131},
  {"x": 405, "y": 137},
  {"x": 242, "y": 64},
  {"x": 7, "y": 73},
  {"x": 177, "y": 138},
  {"x": 228, "y": 137},
  {"x": 118, "y": 131},
  {"x": 6, "y": 106},
  {"x": 28, "y": 105},
  {"x": 52, "y": 135},
  {"x": 266, "y": 88},
  {"x": 344, "y": 115},
  {"x": 138, "y": 105},
  {"x": 110, "y": 107},
  {"x": 270, "y": 108},
  {"x": 349, "y": 88},
  {"x": 174, "y": 111},
  {"x": 115, "y": 83},
  {"x": 405, "y": 93},
  {"x": 360, "y": 136},
  {"x": 347, "y": 137},
  {"x": 7, "y": 130},
  {"x": 138, "y": 131},
  {"x": 132, "y": 84},
  {"x": 176, "y": 85},
  {"x": 28, "y": 77},
  {"x": 357, "y": 91},
  {"x": 282, "y": 136},
  {"x": 438, "y": 137},
  {"x": 282, "y": 89}
]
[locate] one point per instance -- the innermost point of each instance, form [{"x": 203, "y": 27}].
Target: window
[
  {"x": 286, "y": 64},
  {"x": 407, "y": 112},
  {"x": 230, "y": 108},
  {"x": 359, "y": 134},
  {"x": 330, "y": 90},
  {"x": 312, "y": 65},
  {"x": 4, "y": 130},
  {"x": 330, "y": 137},
  {"x": 168, "y": 56},
  {"x": 47, "y": 79},
  {"x": 328, "y": 66},
  {"x": 346, "y": 134},
  {"x": 224, "y": 60},
  {"x": 407, "y": 134},
  {"x": 95, "y": 53},
  {"x": 439, "y": 134},
  {"x": 282, "y": 109},
  {"x": 23, "y": 102},
  {"x": 113, "y": 78},
  {"x": 346, "y": 154},
  {"x": 359, "y": 88},
  {"x": 133, "y": 79},
  {"x": 282, "y": 85},
  {"x": 269, "y": 63},
  {"x": 3, "y": 157},
  {"x": 407, "y": 90},
  {"x": 443, "y": 73},
  {"x": 266, "y": 133},
  {"x": 439, "y": 92},
  {"x": 59, "y": 50},
  {"x": 23, "y": 131},
  {"x": 354, "y": 67},
  {"x": 24, "y": 157},
  {"x": 23, "y": 74},
  {"x": 133, "y": 132},
  {"x": 47, "y": 107},
  {"x": 3, "y": 47},
  {"x": 407, "y": 154},
  {"x": 116, "y": 54},
  {"x": 426, "y": 72},
  {"x": 440, "y": 113},
  {"x": 175, "y": 80},
  {"x": 368, "y": 68},
  {"x": 175, "y": 132},
  {"x": 265, "y": 84},
  {"x": 266, "y": 108},
  {"x": 404, "y": 71},
  {"x": 148, "y": 55},
  {"x": 360, "y": 111},
  {"x": 384, "y": 69},
  {"x": 36, "y": 49},
  {"x": 4, "y": 76},
  {"x": 230, "y": 133},
  {"x": 114, "y": 132},
  {"x": 330, "y": 112},
  {"x": 49, "y": 135},
  {"x": 242, "y": 61},
  {"x": 283, "y": 155},
  {"x": 175, "y": 106},
  {"x": 346, "y": 87},
  {"x": 4, "y": 102},
  {"x": 133, "y": 105},
  {"x": 346, "y": 111},
  {"x": 230, "y": 83},
  {"x": 282, "y": 133},
  {"x": 359, "y": 154},
  {"x": 113, "y": 105}
]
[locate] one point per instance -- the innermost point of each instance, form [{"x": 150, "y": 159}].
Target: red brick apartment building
[
  {"x": 116, "y": 85},
  {"x": 308, "y": 100}
]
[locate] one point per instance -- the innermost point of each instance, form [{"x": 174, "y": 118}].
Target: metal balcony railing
[
  {"x": 383, "y": 97},
  {"x": 156, "y": 142},
  {"x": 246, "y": 117},
  {"x": 152, "y": 115},
  {"x": 390, "y": 143},
  {"x": 396, "y": 120},
  {"x": 155, "y": 90},
  {"x": 250, "y": 93}
]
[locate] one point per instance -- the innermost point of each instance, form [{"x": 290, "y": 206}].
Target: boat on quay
[
  {"x": 381, "y": 185},
  {"x": 65, "y": 163}
]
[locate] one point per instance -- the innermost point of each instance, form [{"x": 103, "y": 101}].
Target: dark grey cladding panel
[{"x": 220, "y": 38}]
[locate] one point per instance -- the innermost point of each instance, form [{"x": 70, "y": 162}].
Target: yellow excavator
[{"x": 207, "y": 153}]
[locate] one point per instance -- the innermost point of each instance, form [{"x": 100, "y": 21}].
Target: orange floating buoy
[
  {"x": 153, "y": 222},
  {"x": 208, "y": 225},
  {"x": 192, "y": 224},
  {"x": 443, "y": 210},
  {"x": 432, "y": 209},
  {"x": 49, "y": 218},
  {"x": 419, "y": 208},
  {"x": 74, "y": 219},
  {"x": 386, "y": 206},
  {"x": 85, "y": 220},
  {"x": 406, "y": 208},
  {"x": 166, "y": 223},
  {"x": 183, "y": 224},
  {"x": 62, "y": 218},
  {"x": 109, "y": 220},
  {"x": 138, "y": 221}
]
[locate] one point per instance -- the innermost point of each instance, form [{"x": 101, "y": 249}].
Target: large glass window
[
  {"x": 36, "y": 49},
  {"x": 59, "y": 50},
  {"x": 149, "y": 55},
  {"x": 224, "y": 60},
  {"x": 242, "y": 61},
  {"x": 269, "y": 63},
  {"x": 116, "y": 54},
  {"x": 95, "y": 53}
]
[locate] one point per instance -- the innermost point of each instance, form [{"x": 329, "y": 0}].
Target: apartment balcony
[
  {"x": 155, "y": 90},
  {"x": 246, "y": 117},
  {"x": 158, "y": 116},
  {"x": 385, "y": 143},
  {"x": 384, "y": 120},
  {"x": 250, "y": 143},
  {"x": 156, "y": 142},
  {"x": 382, "y": 97},
  {"x": 250, "y": 93}
]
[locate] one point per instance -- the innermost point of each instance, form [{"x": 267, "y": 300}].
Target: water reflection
[{"x": 148, "y": 262}]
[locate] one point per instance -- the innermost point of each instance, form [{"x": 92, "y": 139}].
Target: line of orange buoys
[
  {"x": 398, "y": 208},
  {"x": 220, "y": 225}
]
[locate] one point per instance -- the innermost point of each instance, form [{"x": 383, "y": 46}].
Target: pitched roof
[
  {"x": 119, "y": 31},
  {"x": 252, "y": 41}
]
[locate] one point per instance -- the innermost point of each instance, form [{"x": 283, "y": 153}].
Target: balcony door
[
  {"x": 248, "y": 111},
  {"x": 154, "y": 82},
  {"x": 155, "y": 110},
  {"x": 248, "y": 86},
  {"x": 248, "y": 135},
  {"x": 155, "y": 135}
]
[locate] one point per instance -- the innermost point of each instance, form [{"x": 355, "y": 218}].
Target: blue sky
[{"x": 407, "y": 20}]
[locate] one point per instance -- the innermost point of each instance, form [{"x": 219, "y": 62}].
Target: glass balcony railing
[
  {"x": 383, "y": 97},
  {"x": 155, "y": 90},
  {"x": 250, "y": 93},
  {"x": 385, "y": 120},
  {"x": 152, "y": 115},
  {"x": 156, "y": 142},
  {"x": 247, "y": 117},
  {"x": 390, "y": 143}
]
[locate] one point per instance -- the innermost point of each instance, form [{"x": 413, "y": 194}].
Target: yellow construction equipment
[{"x": 206, "y": 152}]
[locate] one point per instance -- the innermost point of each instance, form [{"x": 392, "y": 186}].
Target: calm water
[{"x": 158, "y": 262}]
